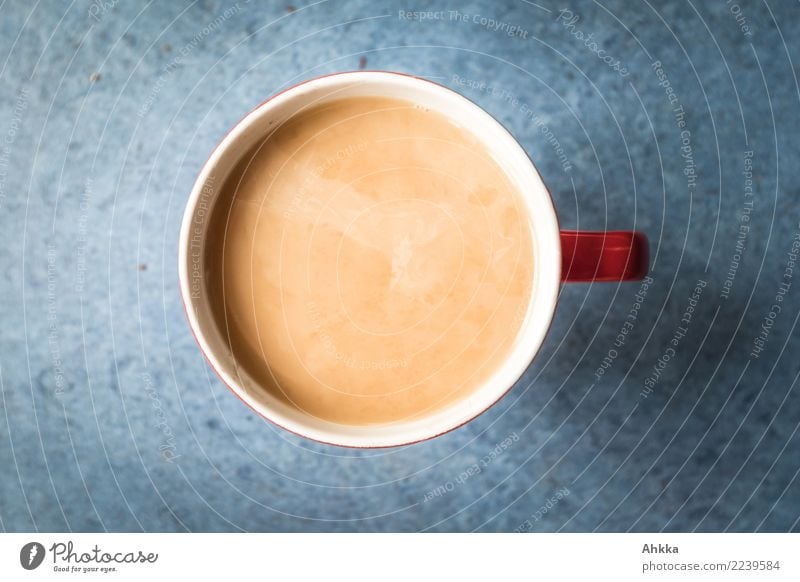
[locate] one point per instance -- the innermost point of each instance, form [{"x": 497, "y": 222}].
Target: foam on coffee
[{"x": 369, "y": 261}]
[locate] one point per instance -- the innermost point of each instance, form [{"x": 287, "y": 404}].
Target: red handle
[{"x": 619, "y": 255}]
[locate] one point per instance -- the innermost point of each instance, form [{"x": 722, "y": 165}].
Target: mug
[{"x": 559, "y": 256}]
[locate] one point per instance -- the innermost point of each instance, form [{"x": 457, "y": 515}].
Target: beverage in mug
[{"x": 369, "y": 262}]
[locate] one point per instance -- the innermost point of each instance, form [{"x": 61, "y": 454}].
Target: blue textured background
[{"x": 110, "y": 418}]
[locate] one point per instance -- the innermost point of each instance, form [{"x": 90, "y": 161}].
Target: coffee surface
[{"x": 369, "y": 262}]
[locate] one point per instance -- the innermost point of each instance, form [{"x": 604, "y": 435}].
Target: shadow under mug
[{"x": 559, "y": 256}]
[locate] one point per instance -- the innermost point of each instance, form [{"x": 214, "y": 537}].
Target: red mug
[{"x": 559, "y": 256}]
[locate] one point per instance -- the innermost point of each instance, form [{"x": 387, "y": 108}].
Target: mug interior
[{"x": 507, "y": 153}]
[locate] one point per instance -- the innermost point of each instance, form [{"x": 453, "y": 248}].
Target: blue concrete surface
[{"x": 111, "y": 420}]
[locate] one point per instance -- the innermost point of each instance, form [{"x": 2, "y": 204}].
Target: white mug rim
[{"x": 544, "y": 301}]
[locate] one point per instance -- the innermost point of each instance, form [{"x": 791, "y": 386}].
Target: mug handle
[{"x": 619, "y": 255}]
